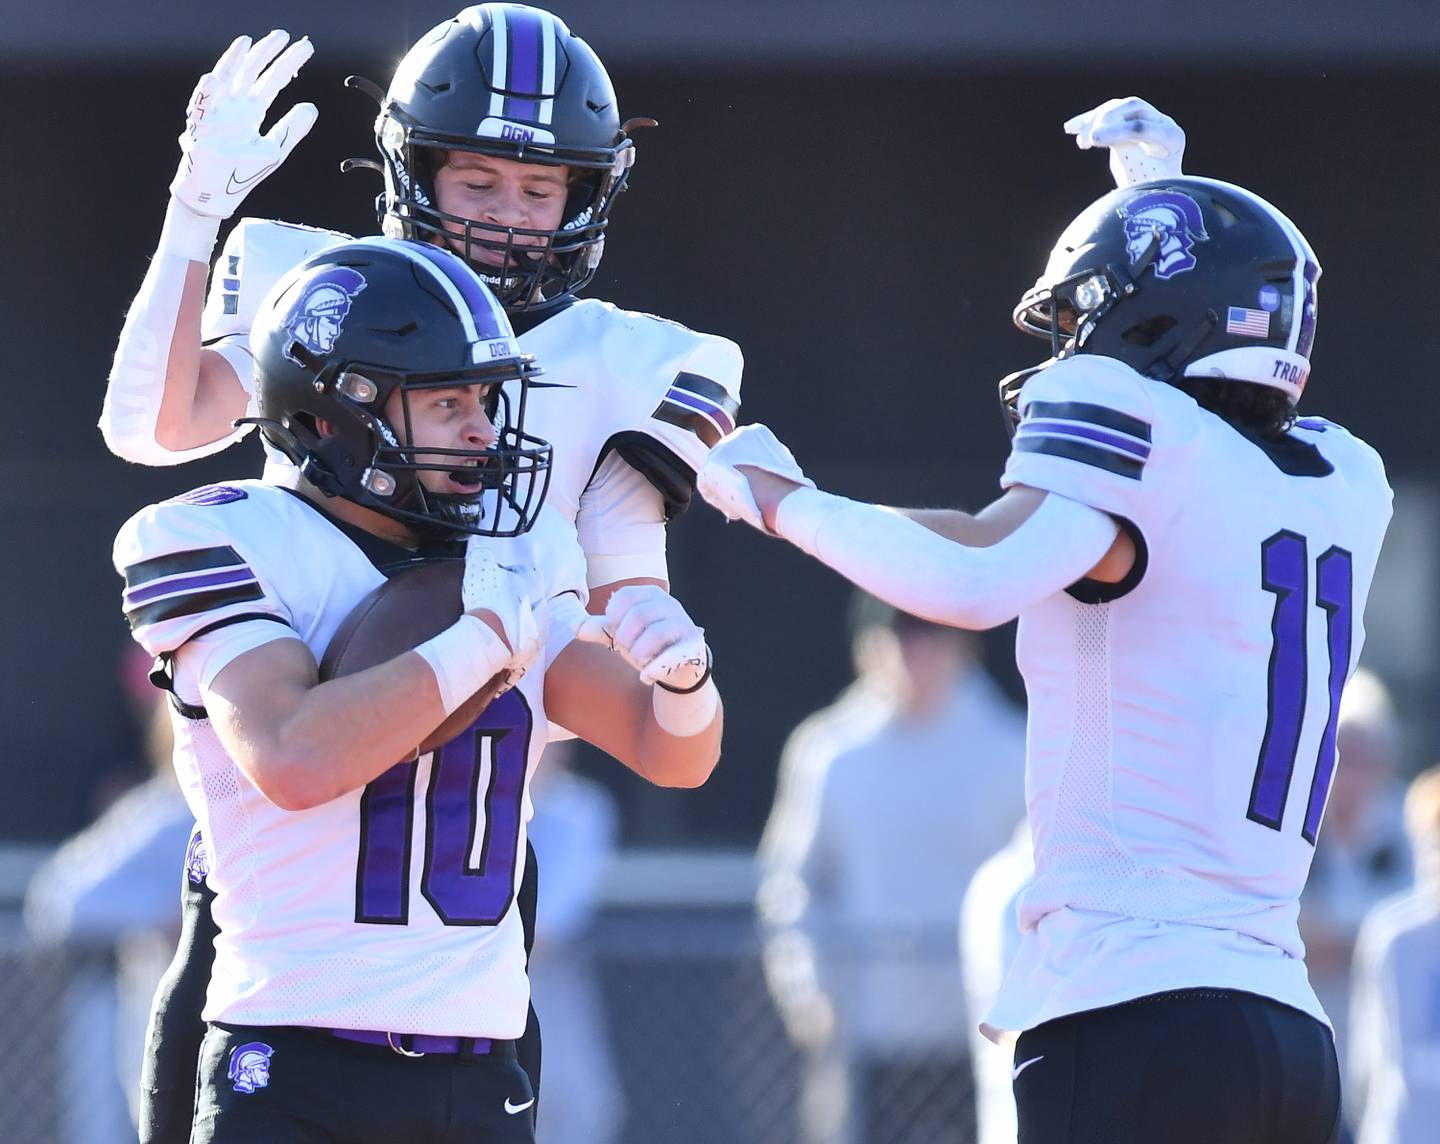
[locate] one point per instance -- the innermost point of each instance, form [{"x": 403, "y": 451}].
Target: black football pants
[{"x": 1194, "y": 1066}]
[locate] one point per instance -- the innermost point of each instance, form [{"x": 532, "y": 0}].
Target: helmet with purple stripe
[
  {"x": 364, "y": 321},
  {"x": 513, "y": 82},
  {"x": 1188, "y": 280}
]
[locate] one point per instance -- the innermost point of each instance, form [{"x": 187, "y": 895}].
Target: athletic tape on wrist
[
  {"x": 188, "y": 233},
  {"x": 464, "y": 657},
  {"x": 685, "y": 713}
]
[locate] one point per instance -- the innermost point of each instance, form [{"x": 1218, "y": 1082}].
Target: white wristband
[
  {"x": 684, "y": 714},
  {"x": 464, "y": 658},
  {"x": 188, "y": 233}
]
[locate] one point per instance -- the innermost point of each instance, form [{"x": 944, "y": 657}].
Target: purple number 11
[{"x": 1285, "y": 569}]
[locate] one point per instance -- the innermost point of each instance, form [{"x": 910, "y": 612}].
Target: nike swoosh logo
[
  {"x": 512, "y": 1109},
  {"x": 1018, "y": 1069},
  {"x": 240, "y": 184}
]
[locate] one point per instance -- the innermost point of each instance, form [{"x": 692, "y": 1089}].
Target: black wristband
[{"x": 701, "y": 682}]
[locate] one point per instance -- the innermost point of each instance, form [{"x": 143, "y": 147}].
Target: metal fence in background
[{"x": 697, "y": 1051}]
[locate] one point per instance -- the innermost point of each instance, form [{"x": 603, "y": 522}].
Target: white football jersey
[
  {"x": 392, "y": 907},
  {"x": 1181, "y": 738},
  {"x": 647, "y": 389}
]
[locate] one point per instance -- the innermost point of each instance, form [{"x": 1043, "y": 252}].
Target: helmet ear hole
[{"x": 1150, "y": 331}]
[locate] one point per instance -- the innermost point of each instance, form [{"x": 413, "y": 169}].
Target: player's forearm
[
  {"x": 153, "y": 380},
  {"x": 324, "y": 741},
  {"x": 974, "y": 531},
  {"x": 922, "y": 572},
  {"x": 679, "y": 740},
  {"x": 202, "y": 397}
]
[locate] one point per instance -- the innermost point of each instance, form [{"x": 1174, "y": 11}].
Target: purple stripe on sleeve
[
  {"x": 1043, "y": 428},
  {"x": 693, "y": 401},
  {"x": 192, "y": 583}
]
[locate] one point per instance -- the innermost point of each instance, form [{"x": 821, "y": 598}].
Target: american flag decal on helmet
[
  {"x": 700, "y": 405},
  {"x": 1091, "y": 434},
  {"x": 183, "y": 583}
]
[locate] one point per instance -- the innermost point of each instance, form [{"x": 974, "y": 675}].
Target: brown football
[{"x": 418, "y": 601}]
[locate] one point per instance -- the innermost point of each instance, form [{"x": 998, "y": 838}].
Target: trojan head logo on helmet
[
  {"x": 514, "y": 82},
  {"x": 1171, "y": 217},
  {"x": 1180, "y": 278},
  {"x": 319, "y": 313},
  {"x": 380, "y": 318}
]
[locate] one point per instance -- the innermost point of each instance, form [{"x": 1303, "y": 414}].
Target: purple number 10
[
  {"x": 1285, "y": 569},
  {"x": 463, "y": 887}
]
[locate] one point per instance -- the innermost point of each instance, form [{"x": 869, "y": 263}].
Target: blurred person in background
[
  {"x": 109, "y": 891},
  {"x": 575, "y": 830},
  {"x": 989, "y": 939},
  {"x": 910, "y": 788},
  {"x": 1363, "y": 855},
  {"x": 1395, "y": 1009}
]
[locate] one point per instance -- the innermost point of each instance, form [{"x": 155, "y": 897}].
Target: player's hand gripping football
[
  {"x": 728, "y": 489},
  {"x": 510, "y": 595},
  {"x": 224, "y": 155},
  {"x": 1144, "y": 142},
  {"x": 650, "y": 629}
]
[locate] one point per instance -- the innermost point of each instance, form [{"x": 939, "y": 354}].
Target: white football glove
[
  {"x": 224, "y": 155},
  {"x": 512, "y": 593},
  {"x": 1144, "y": 142},
  {"x": 650, "y": 629},
  {"x": 726, "y": 488}
]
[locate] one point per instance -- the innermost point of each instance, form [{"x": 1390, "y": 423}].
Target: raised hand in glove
[
  {"x": 225, "y": 156},
  {"x": 1144, "y": 142}
]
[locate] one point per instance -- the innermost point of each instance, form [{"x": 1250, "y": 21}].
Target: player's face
[
  {"x": 501, "y": 193},
  {"x": 453, "y": 418}
]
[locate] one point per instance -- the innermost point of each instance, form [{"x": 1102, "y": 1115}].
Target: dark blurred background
[{"x": 855, "y": 193}]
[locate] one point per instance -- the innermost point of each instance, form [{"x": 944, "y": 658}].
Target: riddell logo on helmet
[{"x": 511, "y": 131}]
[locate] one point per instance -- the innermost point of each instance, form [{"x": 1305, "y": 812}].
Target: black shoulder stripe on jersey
[
  {"x": 174, "y": 563},
  {"x": 173, "y": 607},
  {"x": 657, "y": 463},
  {"x": 1085, "y": 453},
  {"x": 1101, "y": 415},
  {"x": 710, "y": 390},
  {"x": 699, "y": 405}
]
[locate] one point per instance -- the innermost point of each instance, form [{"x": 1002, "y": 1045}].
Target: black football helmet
[
  {"x": 511, "y": 81},
  {"x": 351, "y": 326},
  {"x": 1183, "y": 277}
]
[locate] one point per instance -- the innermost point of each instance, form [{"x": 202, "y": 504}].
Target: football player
[
  {"x": 339, "y": 1001},
  {"x": 1189, "y": 561},
  {"x": 500, "y": 138}
]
